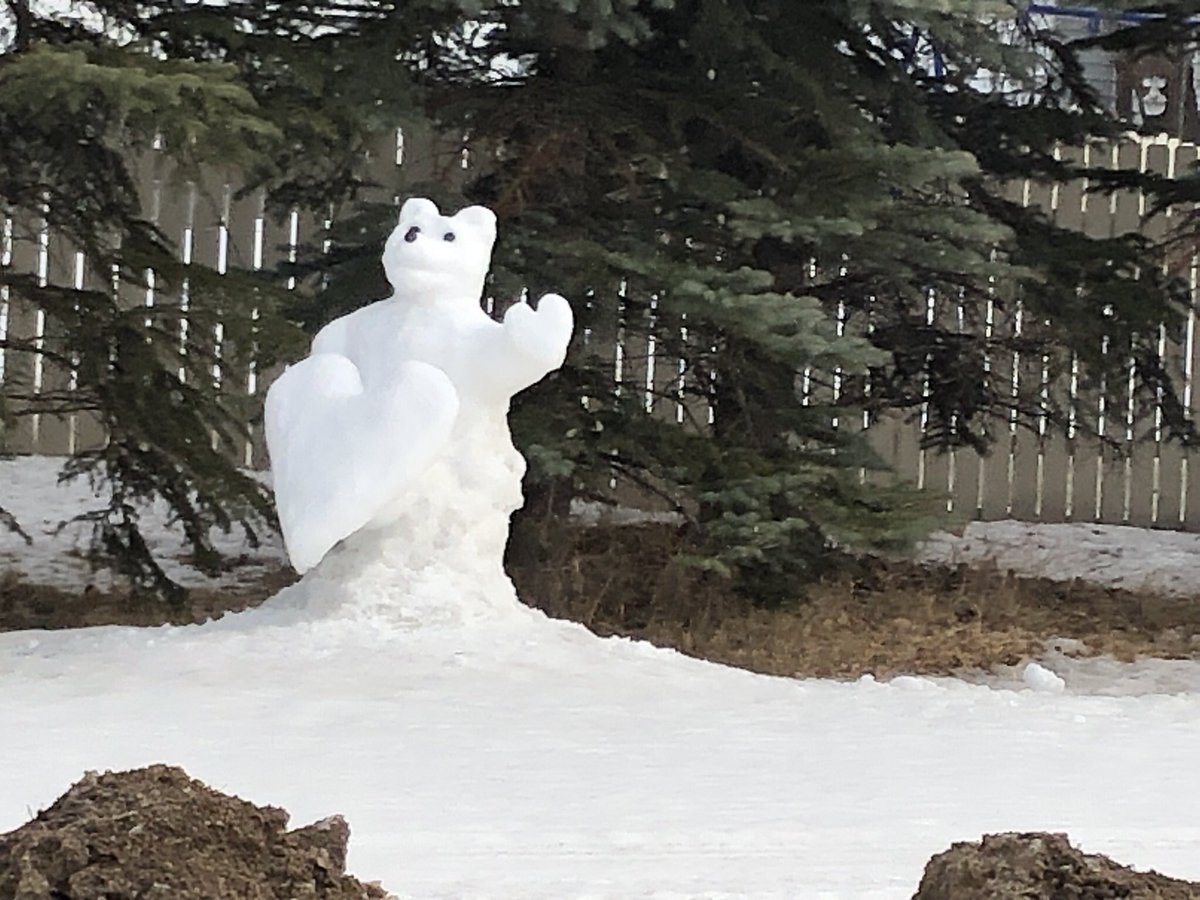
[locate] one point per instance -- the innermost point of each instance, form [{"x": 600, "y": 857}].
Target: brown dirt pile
[
  {"x": 1040, "y": 866},
  {"x": 25, "y": 605},
  {"x": 156, "y": 833}
]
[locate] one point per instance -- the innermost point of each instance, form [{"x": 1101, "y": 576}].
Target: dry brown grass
[
  {"x": 25, "y": 605},
  {"x": 884, "y": 618}
]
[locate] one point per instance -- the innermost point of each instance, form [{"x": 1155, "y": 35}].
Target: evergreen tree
[
  {"x": 265, "y": 89},
  {"x": 808, "y": 202},
  {"x": 772, "y": 191}
]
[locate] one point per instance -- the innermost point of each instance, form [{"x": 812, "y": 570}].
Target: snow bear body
[{"x": 394, "y": 430}]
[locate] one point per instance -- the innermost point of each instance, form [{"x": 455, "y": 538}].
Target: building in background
[{"x": 1154, "y": 94}]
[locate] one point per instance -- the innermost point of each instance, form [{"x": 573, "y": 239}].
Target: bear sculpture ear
[
  {"x": 418, "y": 208},
  {"x": 477, "y": 218}
]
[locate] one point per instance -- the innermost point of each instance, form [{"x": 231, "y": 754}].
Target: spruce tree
[
  {"x": 810, "y": 203},
  {"x": 773, "y": 191},
  {"x": 265, "y": 90}
]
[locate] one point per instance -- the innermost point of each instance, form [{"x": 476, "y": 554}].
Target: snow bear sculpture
[{"x": 392, "y": 436}]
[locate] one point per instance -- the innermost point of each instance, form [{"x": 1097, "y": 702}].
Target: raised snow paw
[{"x": 541, "y": 333}]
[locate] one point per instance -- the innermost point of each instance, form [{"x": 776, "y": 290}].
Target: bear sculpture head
[{"x": 434, "y": 257}]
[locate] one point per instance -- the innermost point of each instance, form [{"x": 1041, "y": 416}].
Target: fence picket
[
  {"x": 1189, "y": 489},
  {"x": 20, "y": 376},
  {"x": 1140, "y": 466},
  {"x": 1039, "y": 484},
  {"x": 57, "y": 381},
  {"x": 1077, "y": 465}
]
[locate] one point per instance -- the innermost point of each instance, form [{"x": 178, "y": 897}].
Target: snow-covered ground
[
  {"x": 500, "y": 754},
  {"x": 30, "y": 491},
  {"x": 516, "y": 757},
  {"x": 1166, "y": 562}
]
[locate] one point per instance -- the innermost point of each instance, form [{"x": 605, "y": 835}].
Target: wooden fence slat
[
  {"x": 244, "y": 230},
  {"x": 1092, "y": 466},
  {"x": 1141, "y": 467},
  {"x": 1070, "y": 460},
  {"x": 1160, "y": 157},
  {"x": 57, "y": 430},
  {"x": 1006, "y": 375},
  {"x": 1023, "y": 497},
  {"x": 1173, "y": 467},
  {"x": 1056, "y": 477},
  {"x": 212, "y": 250},
  {"x": 176, "y": 208},
  {"x": 1086, "y": 472},
  {"x": 898, "y": 441},
  {"x": 6, "y": 302},
  {"x": 242, "y": 221},
  {"x": 964, "y": 493},
  {"x": 21, "y": 434},
  {"x": 1122, "y": 216},
  {"x": 383, "y": 170},
  {"x": 272, "y": 245},
  {"x": 1052, "y": 461},
  {"x": 934, "y": 464},
  {"x": 1032, "y": 500}
]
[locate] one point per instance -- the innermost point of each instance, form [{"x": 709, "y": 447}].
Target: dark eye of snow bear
[
  {"x": 411, "y": 234},
  {"x": 448, "y": 236}
]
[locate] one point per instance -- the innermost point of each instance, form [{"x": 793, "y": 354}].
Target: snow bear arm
[
  {"x": 537, "y": 338},
  {"x": 332, "y": 338}
]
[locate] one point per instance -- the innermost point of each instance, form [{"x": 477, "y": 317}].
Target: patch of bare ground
[
  {"x": 1036, "y": 865},
  {"x": 156, "y": 833},
  {"x": 26, "y": 605},
  {"x": 877, "y": 617}
]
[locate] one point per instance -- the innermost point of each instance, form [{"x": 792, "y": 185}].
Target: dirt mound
[
  {"x": 156, "y": 833},
  {"x": 1040, "y": 866}
]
